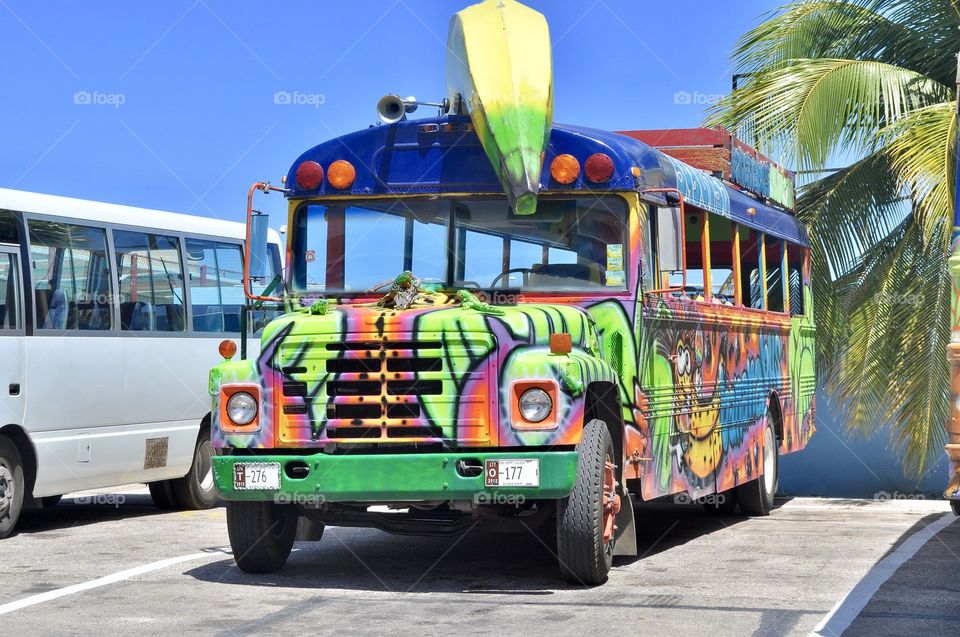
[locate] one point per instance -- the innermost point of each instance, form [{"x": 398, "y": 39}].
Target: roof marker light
[
  {"x": 598, "y": 168},
  {"x": 309, "y": 175},
  {"x": 565, "y": 169},
  {"x": 341, "y": 174}
]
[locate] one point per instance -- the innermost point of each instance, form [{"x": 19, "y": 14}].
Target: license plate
[
  {"x": 256, "y": 476},
  {"x": 513, "y": 473}
]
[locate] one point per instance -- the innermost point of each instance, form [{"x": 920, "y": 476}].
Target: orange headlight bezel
[
  {"x": 226, "y": 392},
  {"x": 517, "y": 420}
]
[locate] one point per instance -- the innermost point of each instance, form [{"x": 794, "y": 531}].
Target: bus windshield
[{"x": 569, "y": 244}]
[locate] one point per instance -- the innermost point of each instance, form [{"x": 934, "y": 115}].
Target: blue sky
[{"x": 171, "y": 105}]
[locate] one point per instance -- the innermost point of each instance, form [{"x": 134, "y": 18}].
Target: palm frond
[
  {"x": 812, "y": 107},
  {"x": 918, "y": 35},
  {"x": 922, "y": 152}
]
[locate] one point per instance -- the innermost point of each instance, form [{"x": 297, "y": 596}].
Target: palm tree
[{"x": 870, "y": 82}]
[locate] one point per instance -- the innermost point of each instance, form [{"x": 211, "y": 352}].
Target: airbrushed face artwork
[{"x": 697, "y": 382}]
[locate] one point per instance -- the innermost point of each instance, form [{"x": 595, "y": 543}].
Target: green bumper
[{"x": 395, "y": 478}]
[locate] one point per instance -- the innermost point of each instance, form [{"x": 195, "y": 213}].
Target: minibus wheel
[
  {"x": 585, "y": 519},
  {"x": 162, "y": 494},
  {"x": 756, "y": 496},
  {"x": 11, "y": 486},
  {"x": 261, "y": 534},
  {"x": 955, "y": 505},
  {"x": 197, "y": 489}
]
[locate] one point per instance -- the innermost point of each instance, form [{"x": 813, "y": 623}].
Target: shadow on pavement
[
  {"x": 477, "y": 562},
  {"x": 75, "y": 511}
]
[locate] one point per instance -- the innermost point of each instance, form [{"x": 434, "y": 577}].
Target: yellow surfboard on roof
[{"x": 499, "y": 62}]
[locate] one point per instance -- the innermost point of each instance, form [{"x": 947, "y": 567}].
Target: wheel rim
[
  {"x": 611, "y": 503},
  {"x": 7, "y": 492},
  {"x": 769, "y": 463},
  {"x": 205, "y": 466}
]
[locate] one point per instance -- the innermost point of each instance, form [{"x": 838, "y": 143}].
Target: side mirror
[
  {"x": 670, "y": 239},
  {"x": 257, "y": 245}
]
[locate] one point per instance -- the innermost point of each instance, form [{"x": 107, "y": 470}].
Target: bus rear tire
[
  {"x": 261, "y": 534},
  {"x": 163, "y": 496},
  {"x": 11, "y": 486},
  {"x": 584, "y": 553},
  {"x": 955, "y": 505},
  {"x": 756, "y": 496},
  {"x": 197, "y": 490}
]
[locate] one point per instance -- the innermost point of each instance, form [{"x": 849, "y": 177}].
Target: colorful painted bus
[
  {"x": 107, "y": 315},
  {"x": 473, "y": 349}
]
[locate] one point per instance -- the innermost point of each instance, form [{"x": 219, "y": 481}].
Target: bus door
[{"x": 11, "y": 337}]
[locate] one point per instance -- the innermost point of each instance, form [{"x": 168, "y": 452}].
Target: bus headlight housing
[
  {"x": 535, "y": 405},
  {"x": 242, "y": 408}
]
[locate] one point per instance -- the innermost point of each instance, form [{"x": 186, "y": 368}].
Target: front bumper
[{"x": 395, "y": 477}]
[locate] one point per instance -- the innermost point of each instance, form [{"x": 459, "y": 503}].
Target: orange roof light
[
  {"x": 341, "y": 174},
  {"x": 228, "y": 349},
  {"x": 565, "y": 169}
]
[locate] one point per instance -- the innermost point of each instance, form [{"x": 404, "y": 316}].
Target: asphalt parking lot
[{"x": 93, "y": 564}]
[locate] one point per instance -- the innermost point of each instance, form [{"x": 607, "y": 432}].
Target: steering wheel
[{"x": 504, "y": 275}]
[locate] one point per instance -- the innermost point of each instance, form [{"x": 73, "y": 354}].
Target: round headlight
[
  {"x": 242, "y": 408},
  {"x": 535, "y": 405}
]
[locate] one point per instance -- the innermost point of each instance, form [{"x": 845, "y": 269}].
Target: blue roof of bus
[{"x": 443, "y": 156}]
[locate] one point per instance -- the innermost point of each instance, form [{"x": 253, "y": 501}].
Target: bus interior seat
[
  {"x": 231, "y": 318},
  {"x": 53, "y": 307},
  {"x": 207, "y": 318},
  {"x": 137, "y": 316}
]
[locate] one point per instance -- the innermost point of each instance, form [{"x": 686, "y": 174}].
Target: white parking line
[
  {"x": 847, "y": 609},
  {"x": 40, "y": 598}
]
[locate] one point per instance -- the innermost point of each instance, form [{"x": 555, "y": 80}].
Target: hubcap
[
  {"x": 769, "y": 463},
  {"x": 611, "y": 502},
  {"x": 6, "y": 489},
  {"x": 205, "y": 466}
]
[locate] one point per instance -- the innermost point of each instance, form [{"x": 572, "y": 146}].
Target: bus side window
[
  {"x": 205, "y": 299},
  {"x": 10, "y": 311},
  {"x": 795, "y": 274},
  {"x": 751, "y": 282},
  {"x": 230, "y": 266},
  {"x": 775, "y": 280},
  {"x": 151, "y": 284},
  {"x": 258, "y": 319},
  {"x": 71, "y": 274},
  {"x": 722, "y": 284}
]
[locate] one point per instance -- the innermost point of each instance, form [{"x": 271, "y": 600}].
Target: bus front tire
[
  {"x": 261, "y": 534},
  {"x": 11, "y": 486},
  {"x": 756, "y": 497},
  {"x": 197, "y": 490},
  {"x": 584, "y": 541}
]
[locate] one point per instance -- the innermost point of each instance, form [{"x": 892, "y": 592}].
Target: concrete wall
[{"x": 837, "y": 464}]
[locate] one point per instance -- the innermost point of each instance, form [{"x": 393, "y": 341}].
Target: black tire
[
  {"x": 583, "y": 555},
  {"x": 163, "y": 496},
  {"x": 722, "y": 503},
  {"x": 11, "y": 486},
  {"x": 261, "y": 534},
  {"x": 955, "y": 505},
  {"x": 197, "y": 490},
  {"x": 51, "y": 501},
  {"x": 756, "y": 497}
]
